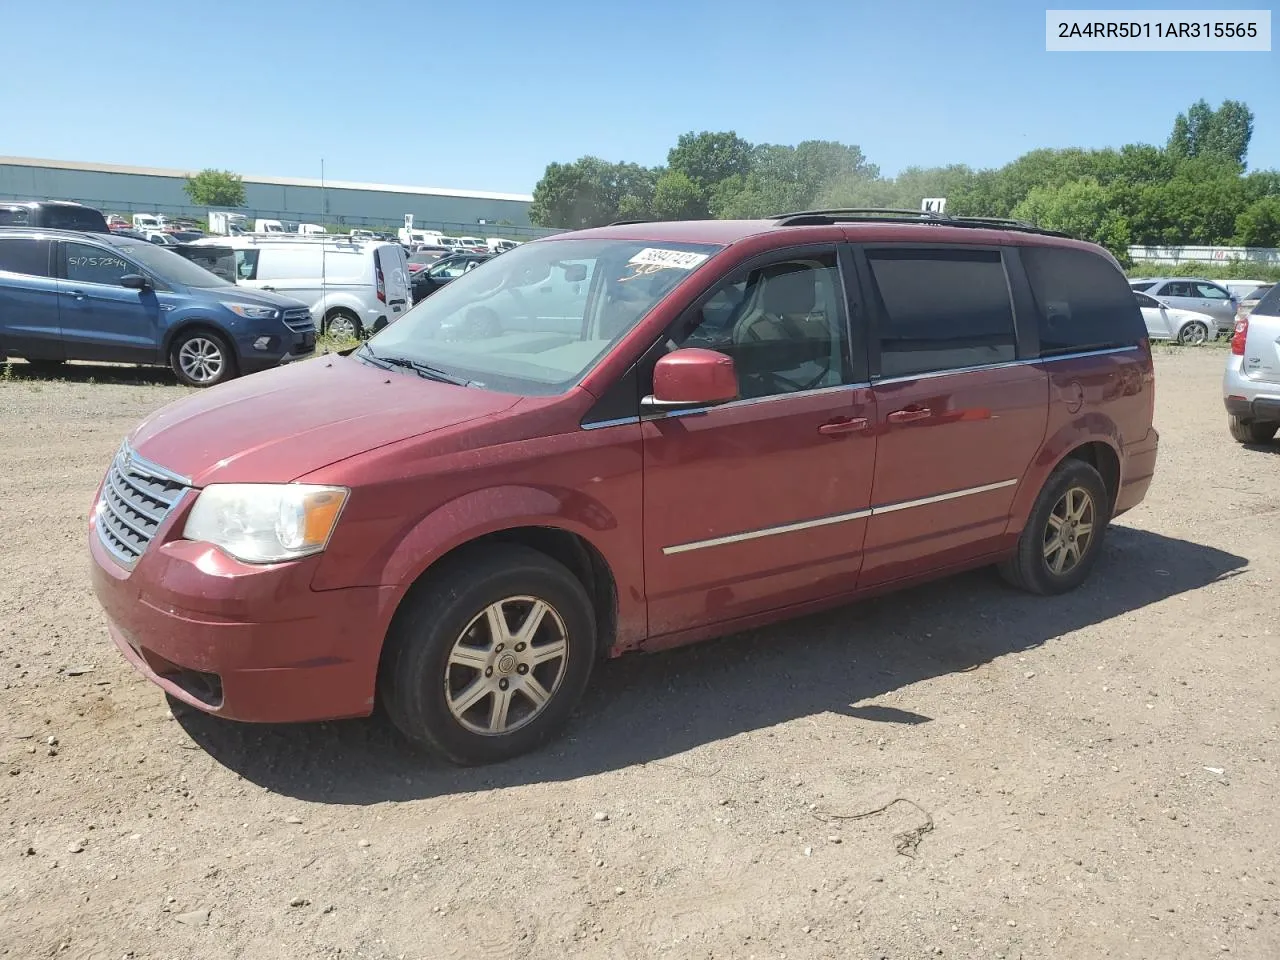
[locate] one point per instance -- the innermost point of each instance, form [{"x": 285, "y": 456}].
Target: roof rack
[
  {"x": 898, "y": 215},
  {"x": 626, "y": 223}
]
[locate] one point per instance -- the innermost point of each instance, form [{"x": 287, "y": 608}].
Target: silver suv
[
  {"x": 1189, "y": 293},
  {"x": 1251, "y": 383}
]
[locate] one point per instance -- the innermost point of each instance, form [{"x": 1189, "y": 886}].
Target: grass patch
[{"x": 327, "y": 343}]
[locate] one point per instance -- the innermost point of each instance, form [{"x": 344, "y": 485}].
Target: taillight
[
  {"x": 1241, "y": 334},
  {"x": 382, "y": 283}
]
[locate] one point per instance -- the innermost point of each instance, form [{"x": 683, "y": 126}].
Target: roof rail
[
  {"x": 626, "y": 223},
  {"x": 898, "y": 215}
]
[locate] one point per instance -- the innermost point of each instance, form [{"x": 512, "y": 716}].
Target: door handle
[
  {"x": 77, "y": 294},
  {"x": 910, "y": 415},
  {"x": 265, "y": 287},
  {"x": 838, "y": 428}
]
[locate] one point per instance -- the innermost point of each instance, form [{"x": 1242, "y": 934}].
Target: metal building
[{"x": 126, "y": 190}]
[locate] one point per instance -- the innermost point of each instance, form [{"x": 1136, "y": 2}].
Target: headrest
[{"x": 788, "y": 289}]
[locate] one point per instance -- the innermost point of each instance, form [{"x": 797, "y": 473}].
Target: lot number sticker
[{"x": 656, "y": 258}]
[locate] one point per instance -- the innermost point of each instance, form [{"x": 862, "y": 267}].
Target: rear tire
[
  {"x": 466, "y": 676},
  {"x": 200, "y": 357},
  {"x": 343, "y": 324},
  {"x": 1063, "y": 536},
  {"x": 1251, "y": 432}
]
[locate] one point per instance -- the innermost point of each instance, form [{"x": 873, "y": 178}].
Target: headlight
[
  {"x": 252, "y": 311},
  {"x": 266, "y": 522}
]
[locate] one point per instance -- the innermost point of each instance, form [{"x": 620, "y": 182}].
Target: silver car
[
  {"x": 1189, "y": 293},
  {"x": 1169, "y": 323},
  {"x": 1251, "y": 382}
]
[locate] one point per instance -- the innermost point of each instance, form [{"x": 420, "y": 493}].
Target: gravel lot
[{"x": 1091, "y": 775}]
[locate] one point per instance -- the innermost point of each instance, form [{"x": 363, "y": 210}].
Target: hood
[
  {"x": 276, "y": 426},
  {"x": 262, "y": 298}
]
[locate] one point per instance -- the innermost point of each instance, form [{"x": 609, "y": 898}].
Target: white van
[
  {"x": 149, "y": 221},
  {"x": 414, "y": 238},
  {"x": 311, "y": 230},
  {"x": 268, "y": 226},
  {"x": 499, "y": 245},
  {"x": 352, "y": 287}
]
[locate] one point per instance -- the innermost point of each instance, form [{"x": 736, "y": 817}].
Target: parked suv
[
  {"x": 87, "y": 296},
  {"x": 53, "y": 214},
  {"x": 1251, "y": 383},
  {"x": 1200, "y": 296},
  {"x": 744, "y": 422}
]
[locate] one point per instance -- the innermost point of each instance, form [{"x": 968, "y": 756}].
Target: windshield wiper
[{"x": 424, "y": 370}]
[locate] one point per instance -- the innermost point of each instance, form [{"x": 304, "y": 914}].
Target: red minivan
[{"x": 625, "y": 438}]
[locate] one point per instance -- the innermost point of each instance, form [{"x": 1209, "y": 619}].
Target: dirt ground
[{"x": 1093, "y": 775}]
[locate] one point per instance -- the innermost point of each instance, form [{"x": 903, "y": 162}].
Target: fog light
[{"x": 262, "y": 343}]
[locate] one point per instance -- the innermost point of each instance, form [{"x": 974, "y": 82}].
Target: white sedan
[{"x": 1171, "y": 323}]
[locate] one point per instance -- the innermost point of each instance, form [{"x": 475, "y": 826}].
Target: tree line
[{"x": 1192, "y": 190}]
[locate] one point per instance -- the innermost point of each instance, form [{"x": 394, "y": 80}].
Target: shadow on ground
[
  {"x": 644, "y": 708},
  {"x": 89, "y": 373}
]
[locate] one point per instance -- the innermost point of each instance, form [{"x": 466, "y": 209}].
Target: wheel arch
[
  {"x": 188, "y": 323},
  {"x": 1096, "y": 441}
]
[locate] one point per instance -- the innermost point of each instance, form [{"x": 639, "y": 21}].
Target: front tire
[
  {"x": 1193, "y": 334},
  {"x": 201, "y": 358},
  {"x": 342, "y": 324},
  {"x": 1251, "y": 432},
  {"x": 487, "y": 658},
  {"x": 1063, "y": 536}
]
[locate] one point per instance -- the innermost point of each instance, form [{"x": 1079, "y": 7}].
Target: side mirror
[
  {"x": 690, "y": 378},
  {"x": 135, "y": 281}
]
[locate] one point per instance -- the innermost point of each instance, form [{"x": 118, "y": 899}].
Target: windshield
[
  {"x": 171, "y": 267},
  {"x": 535, "y": 320}
]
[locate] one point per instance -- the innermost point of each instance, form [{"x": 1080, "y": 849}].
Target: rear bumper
[
  {"x": 1249, "y": 399},
  {"x": 1138, "y": 469},
  {"x": 243, "y": 642}
]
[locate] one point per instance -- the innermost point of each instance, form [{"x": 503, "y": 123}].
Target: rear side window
[
  {"x": 21, "y": 255},
  {"x": 15, "y": 216},
  {"x": 73, "y": 218},
  {"x": 1142, "y": 286},
  {"x": 1209, "y": 291},
  {"x": 1084, "y": 301},
  {"x": 1269, "y": 306},
  {"x": 942, "y": 309}
]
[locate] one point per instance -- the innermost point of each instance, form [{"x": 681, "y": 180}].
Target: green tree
[
  {"x": 215, "y": 188},
  {"x": 1080, "y": 208},
  {"x": 1258, "y": 224},
  {"x": 707, "y": 159},
  {"x": 676, "y": 197},
  {"x": 590, "y": 192},
  {"x": 1221, "y": 134}
]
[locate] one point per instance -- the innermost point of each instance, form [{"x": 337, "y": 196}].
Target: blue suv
[{"x": 90, "y": 296}]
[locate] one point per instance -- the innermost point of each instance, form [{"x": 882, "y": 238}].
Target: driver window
[{"x": 783, "y": 325}]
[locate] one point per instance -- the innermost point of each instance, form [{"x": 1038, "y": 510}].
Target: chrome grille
[
  {"x": 298, "y": 319},
  {"x": 137, "y": 495}
]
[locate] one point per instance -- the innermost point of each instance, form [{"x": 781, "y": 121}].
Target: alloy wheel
[
  {"x": 1069, "y": 531},
  {"x": 342, "y": 327},
  {"x": 506, "y": 666},
  {"x": 201, "y": 360}
]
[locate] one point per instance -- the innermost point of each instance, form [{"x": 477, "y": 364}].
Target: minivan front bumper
[{"x": 243, "y": 641}]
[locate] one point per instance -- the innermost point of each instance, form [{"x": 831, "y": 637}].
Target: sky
[{"x": 483, "y": 95}]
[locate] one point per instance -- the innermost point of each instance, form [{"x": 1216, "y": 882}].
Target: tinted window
[
  {"x": 1269, "y": 306},
  {"x": 15, "y": 216},
  {"x": 168, "y": 267},
  {"x": 1145, "y": 285},
  {"x": 86, "y": 264},
  {"x": 783, "y": 326},
  {"x": 1145, "y": 301},
  {"x": 1083, "y": 299},
  {"x": 72, "y": 218},
  {"x": 25, "y": 256},
  {"x": 941, "y": 310},
  {"x": 1177, "y": 288}
]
